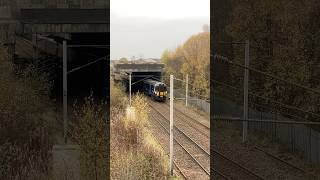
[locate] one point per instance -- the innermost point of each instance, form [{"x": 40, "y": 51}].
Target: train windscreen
[{"x": 161, "y": 88}]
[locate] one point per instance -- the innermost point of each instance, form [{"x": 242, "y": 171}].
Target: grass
[
  {"x": 25, "y": 136},
  {"x": 89, "y": 132},
  {"x": 135, "y": 153}
]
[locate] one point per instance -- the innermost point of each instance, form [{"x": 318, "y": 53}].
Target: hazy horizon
[{"x": 147, "y": 31}]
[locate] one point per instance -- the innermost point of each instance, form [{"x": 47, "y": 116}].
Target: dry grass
[
  {"x": 135, "y": 154},
  {"x": 25, "y": 137},
  {"x": 89, "y": 132},
  {"x": 118, "y": 98}
]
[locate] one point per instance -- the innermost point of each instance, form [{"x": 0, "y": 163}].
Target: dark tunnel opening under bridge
[{"x": 87, "y": 66}]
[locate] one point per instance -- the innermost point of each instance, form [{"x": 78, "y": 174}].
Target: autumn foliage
[{"x": 192, "y": 58}]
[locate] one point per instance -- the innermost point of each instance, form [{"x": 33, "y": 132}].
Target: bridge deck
[
  {"x": 65, "y": 16},
  {"x": 146, "y": 67}
]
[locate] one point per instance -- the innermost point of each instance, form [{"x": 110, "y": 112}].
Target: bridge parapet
[
  {"x": 83, "y": 4},
  {"x": 146, "y": 67},
  {"x": 64, "y": 20},
  {"x": 56, "y": 16}
]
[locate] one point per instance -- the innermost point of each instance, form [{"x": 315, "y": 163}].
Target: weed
[{"x": 135, "y": 154}]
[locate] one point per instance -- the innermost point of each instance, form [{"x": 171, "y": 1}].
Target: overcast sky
[{"x": 145, "y": 28}]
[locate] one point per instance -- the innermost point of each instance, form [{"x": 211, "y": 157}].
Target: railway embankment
[
  {"x": 135, "y": 153},
  {"x": 25, "y": 129}
]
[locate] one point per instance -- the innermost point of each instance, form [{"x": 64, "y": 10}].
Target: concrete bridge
[
  {"x": 140, "y": 69},
  {"x": 58, "y": 16},
  {"x": 33, "y": 30}
]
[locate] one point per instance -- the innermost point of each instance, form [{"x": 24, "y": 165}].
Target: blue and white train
[{"x": 155, "y": 89}]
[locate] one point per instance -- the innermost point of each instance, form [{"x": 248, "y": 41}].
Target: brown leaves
[{"x": 192, "y": 58}]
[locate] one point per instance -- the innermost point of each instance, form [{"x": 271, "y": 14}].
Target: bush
[
  {"x": 24, "y": 133},
  {"x": 135, "y": 154},
  {"x": 89, "y": 132},
  {"x": 118, "y": 98}
]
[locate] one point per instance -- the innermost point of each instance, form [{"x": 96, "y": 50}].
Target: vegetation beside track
[
  {"x": 25, "y": 133},
  {"x": 89, "y": 131},
  {"x": 192, "y": 58},
  {"x": 135, "y": 153}
]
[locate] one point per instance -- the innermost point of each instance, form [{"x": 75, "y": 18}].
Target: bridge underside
[
  {"x": 41, "y": 33},
  {"x": 89, "y": 79},
  {"x": 139, "y": 72},
  {"x": 64, "y": 20}
]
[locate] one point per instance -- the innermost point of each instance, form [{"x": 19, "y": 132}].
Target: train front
[{"x": 160, "y": 92}]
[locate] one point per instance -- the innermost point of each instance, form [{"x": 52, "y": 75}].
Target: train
[{"x": 155, "y": 89}]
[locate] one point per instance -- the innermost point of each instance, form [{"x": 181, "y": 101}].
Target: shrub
[
  {"x": 135, "y": 154},
  {"x": 89, "y": 132},
  {"x": 118, "y": 98},
  {"x": 25, "y": 136}
]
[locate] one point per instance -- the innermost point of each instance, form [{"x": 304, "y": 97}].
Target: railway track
[
  {"x": 232, "y": 169},
  {"x": 174, "y": 162},
  {"x": 194, "y": 123},
  {"x": 309, "y": 175},
  {"x": 224, "y": 168},
  {"x": 189, "y": 125},
  {"x": 198, "y": 159}
]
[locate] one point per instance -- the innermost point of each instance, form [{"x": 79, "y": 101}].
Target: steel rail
[
  {"x": 220, "y": 173},
  {"x": 179, "y": 130},
  {"x": 215, "y": 151},
  {"x": 190, "y": 119},
  {"x": 192, "y": 157},
  {"x": 186, "y": 115},
  {"x": 223, "y": 118},
  {"x": 174, "y": 162},
  {"x": 237, "y": 164},
  {"x": 283, "y": 161}
]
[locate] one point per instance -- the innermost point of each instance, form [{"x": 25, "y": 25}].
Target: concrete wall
[
  {"x": 86, "y": 4},
  {"x": 11, "y": 8}
]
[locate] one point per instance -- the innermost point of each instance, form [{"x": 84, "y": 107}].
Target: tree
[
  {"x": 284, "y": 41},
  {"x": 123, "y": 60},
  {"x": 192, "y": 58}
]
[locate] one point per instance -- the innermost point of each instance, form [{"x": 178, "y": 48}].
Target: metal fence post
[
  {"x": 65, "y": 92},
  {"x": 187, "y": 79},
  {"x": 171, "y": 125},
  {"x": 130, "y": 88},
  {"x": 292, "y": 140},
  {"x": 310, "y": 145},
  {"x": 35, "y": 48},
  {"x": 245, "y": 95}
]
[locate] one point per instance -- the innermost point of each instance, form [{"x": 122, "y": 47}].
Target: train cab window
[{"x": 161, "y": 88}]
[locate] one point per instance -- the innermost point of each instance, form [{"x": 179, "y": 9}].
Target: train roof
[{"x": 151, "y": 81}]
